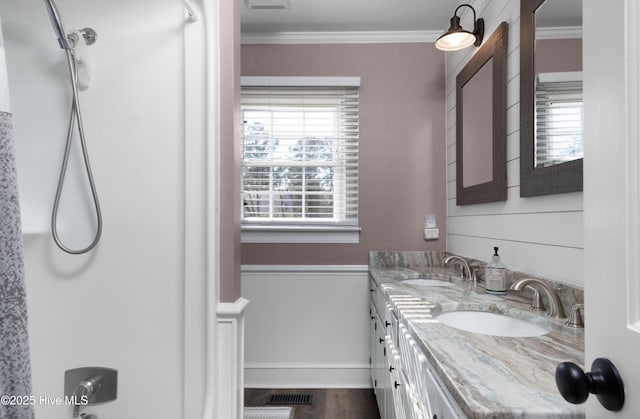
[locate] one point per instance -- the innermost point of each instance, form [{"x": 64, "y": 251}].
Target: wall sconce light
[{"x": 456, "y": 37}]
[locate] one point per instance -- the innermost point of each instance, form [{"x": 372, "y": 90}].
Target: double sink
[{"x": 493, "y": 356}]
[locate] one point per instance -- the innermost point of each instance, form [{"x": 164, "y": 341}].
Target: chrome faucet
[
  {"x": 555, "y": 305},
  {"x": 466, "y": 269},
  {"x": 575, "y": 318}
]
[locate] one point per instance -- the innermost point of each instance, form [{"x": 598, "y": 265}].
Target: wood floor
[{"x": 326, "y": 403}]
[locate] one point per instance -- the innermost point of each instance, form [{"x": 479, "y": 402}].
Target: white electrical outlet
[{"x": 431, "y": 233}]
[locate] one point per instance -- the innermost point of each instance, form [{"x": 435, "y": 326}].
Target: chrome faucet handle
[
  {"x": 474, "y": 275},
  {"x": 458, "y": 260},
  {"x": 575, "y": 318},
  {"x": 555, "y": 304},
  {"x": 536, "y": 303}
]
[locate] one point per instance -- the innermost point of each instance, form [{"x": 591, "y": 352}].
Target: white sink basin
[
  {"x": 427, "y": 282},
  {"x": 494, "y": 324}
]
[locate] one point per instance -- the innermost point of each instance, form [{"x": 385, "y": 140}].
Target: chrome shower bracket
[{"x": 89, "y": 35}]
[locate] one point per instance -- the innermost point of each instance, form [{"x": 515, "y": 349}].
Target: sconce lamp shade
[{"x": 457, "y": 37}]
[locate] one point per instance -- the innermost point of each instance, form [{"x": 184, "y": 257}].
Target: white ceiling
[
  {"x": 380, "y": 15},
  {"x": 351, "y": 15}
]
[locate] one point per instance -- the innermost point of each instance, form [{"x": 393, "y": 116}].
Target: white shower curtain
[{"x": 16, "y": 400}]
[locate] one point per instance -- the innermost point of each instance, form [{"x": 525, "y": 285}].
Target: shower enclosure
[{"x": 144, "y": 301}]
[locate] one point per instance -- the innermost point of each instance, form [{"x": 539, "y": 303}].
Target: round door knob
[{"x": 604, "y": 381}]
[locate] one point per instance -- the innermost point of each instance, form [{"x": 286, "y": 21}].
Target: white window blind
[
  {"x": 300, "y": 154},
  {"x": 559, "y": 119}
]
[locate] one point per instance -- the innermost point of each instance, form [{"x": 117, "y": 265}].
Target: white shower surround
[
  {"x": 145, "y": 300},
  {"x": 4, "y": 85}
]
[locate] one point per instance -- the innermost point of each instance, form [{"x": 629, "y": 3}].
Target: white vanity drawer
[
  {"x": 417, "y": 410},
  {"x": 397, "y": 380},
  {"x": 376, "y": 294},
  {"x": 441, "y": 406},
  {"x": 415, "y": 365},
  {"x": 391, "y": 323}
]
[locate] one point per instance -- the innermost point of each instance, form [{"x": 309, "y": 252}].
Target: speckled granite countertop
[{"x": 488, "y": 376}]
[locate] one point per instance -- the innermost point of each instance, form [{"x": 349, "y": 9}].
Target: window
[
  {"x": 559, "y": 118},
  {"x": 300, "y": 142}
]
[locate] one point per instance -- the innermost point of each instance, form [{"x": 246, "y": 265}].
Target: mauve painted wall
[
  {"x": 230, "y": 150},
  {"x": 402, "y": 143}
]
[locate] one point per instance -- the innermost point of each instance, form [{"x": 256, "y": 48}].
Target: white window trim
[
  {"x": 274, "y": 233},
  {"x": 299, "y": 81},
  {"x": 299, "y": 234}
]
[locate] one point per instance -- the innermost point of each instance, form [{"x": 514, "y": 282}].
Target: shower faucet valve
[{"x": 85, "y": 386}]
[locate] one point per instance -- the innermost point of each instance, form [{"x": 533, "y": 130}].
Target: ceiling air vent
[{"x": 268, "y": 4}]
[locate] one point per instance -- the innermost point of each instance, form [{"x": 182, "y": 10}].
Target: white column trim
[
  {"x": 231, "y": 358},
  {"x": 232, "y": 310}
]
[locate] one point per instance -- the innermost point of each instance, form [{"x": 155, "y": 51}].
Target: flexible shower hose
[{"x": 75, "y": 117}]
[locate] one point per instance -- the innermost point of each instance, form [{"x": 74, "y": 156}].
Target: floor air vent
[{"x": 289, "y": 399}]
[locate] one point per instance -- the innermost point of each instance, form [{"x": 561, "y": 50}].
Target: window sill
[{"x": 300, "y": 234}]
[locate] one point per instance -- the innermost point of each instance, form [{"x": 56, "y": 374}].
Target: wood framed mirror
[
  {"x": 481, "y": 132},
  {"x": 560, "y": 173}
]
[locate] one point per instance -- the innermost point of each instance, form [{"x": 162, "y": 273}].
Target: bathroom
[{"x": 164, "y": 296}]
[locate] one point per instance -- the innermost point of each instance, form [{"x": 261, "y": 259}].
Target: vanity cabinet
[
  {"x": 378, "y": 355},
  {"x": 376, "y": 347},
  {"x": 444, "y": 372},
  {"x": 404, "y": 382},
  {"x": 424, "y": 389},
  {"x": 380, "y": 364}
]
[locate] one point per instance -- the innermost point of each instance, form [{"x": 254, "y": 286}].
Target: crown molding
[{"x": 341, "y": 37}]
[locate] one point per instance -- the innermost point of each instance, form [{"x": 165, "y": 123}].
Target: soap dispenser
[{"x": 496, "y": 275}]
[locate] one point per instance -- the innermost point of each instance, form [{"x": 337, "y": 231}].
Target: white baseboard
[
  {"x": 307, "y": 376},
  {"x": 231, "y": 359}
]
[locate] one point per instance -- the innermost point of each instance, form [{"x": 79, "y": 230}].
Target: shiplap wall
[{"x": 542, "y": 236}]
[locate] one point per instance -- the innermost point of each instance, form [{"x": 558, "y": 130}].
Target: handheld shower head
[
  {"x": 76, "y": 61},
  {"x": 56, "y": 22}
]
